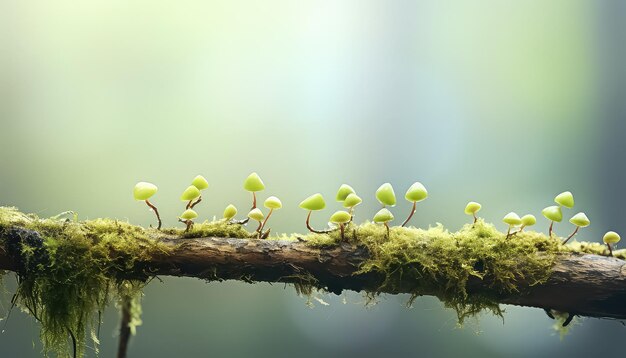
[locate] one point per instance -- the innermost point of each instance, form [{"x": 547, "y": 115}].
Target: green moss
[
  {"x": 441, "y": 263},
  {"x": 71, "y": 272}
]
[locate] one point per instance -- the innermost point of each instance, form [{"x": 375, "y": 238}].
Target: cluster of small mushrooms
[{"x": 348, "y": 197}]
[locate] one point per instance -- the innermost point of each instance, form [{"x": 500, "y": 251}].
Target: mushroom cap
[
  {"x": 383, "y": 216},
  {"x": 385, "y": 195},
  {"x": 553, "y": 213},
  {"x": 580, "y": 220},
  {"x": 343, "y": 192},
  {"x": 190, "y": 193},
  {"x": 416, "y": 192},
  {"x": 565, "y": 199},
  {"x": 189, "y": 214},
  {"x": 313, "y": 203},
  {"x": 144, "y": 190},
  {"x": 529, "y": 220},
  {"x": 230, "y": 212},
  {"x": 273, "y": 203},
  {"x": 352, "y": 200},
  {"x": 472, "y": 208},
  {"x": 256, "y": 214},
  {"x": 512, "y": 219},
  {"x": 611, "y": 237},
  {"x": 200, "y": 182},
  {"x": 253, "y": 183},
  {"x": 340, "y": 217}
]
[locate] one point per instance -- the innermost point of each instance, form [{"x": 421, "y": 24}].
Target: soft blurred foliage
[{"x": 505, "y": 103}]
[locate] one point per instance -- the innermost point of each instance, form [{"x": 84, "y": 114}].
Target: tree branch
[{"x": 580, "y": 284}]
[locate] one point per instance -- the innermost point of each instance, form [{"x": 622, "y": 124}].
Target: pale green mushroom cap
[
  {"x": 417, "y": 192},
  {"x": 611, "y": 237},
  {"x": 385, "y": 195},
  {"x": 580, "y": 220},
  {"x": 256, "y": 214},
  {"x": 253, "y": 183},
  {"x": 472, "y": 208},
  {"x": 200, "y": 182},
  {"x": 340, "y": 217},
  {"x": 273, "y": 203},
  {"x": 512, "y": 219},
  {"x": 352, "y": 200},
  {"x": 529, "y": 220},
  {"x": 144, "y": 190},
  {"x": 553, "y": 213},
  {"x": 190, "y": 193},
  {"x": 565, "y": 199},
  {"x": 383, "y": 216},
  {"x": 313, "y": 202},
  {"x": 230, "y": 212},
  {"x": 343, "y": 192},
  {"x": 188, "y": 215}
]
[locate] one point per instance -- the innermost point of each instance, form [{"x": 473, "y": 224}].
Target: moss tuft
[{"x": 66, "y": 288}]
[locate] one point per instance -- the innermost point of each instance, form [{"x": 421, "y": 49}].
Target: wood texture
[{"x": 586, "y": 285}]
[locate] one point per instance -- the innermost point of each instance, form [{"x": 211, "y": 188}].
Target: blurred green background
[{"x": 507, "y": 103}]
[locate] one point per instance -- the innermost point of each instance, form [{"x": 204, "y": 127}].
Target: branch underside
[{"x": 580, "y": 284}]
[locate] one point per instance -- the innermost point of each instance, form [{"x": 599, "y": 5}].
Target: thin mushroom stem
[
  {"x": 550, "y": 229},
  {"x": 610, "y": 249},
  {"x": 508, "y": 233},
  {"x": 253, "y": 200},
  {"x": 258, "y": 229},
  {"x": 411, "y": 214},
  {"x": 571, "y": 235},
  {"x": 387, "y": 226},
  {"x": 156, "y": 212},
  {"x": 192, "y": 203},
  {"x": 475, "y": 218},
  {"x": 308, "y": 226},
  {"x": 341, "y": 227},
  {"x": 266, "y": 218}
]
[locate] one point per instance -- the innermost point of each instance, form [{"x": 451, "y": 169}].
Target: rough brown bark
[{"x": 586, "y": 285}]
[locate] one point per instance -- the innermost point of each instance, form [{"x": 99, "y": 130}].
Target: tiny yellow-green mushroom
[
  {"x": 472, "y": 208},
  {"x": 580, "y": 220},
  {"x": 188, "y": 214},
  {"x": 528, "y": 220},
  {"x": 313, "y": 203},
  {"x": 386, "y": 195},
  {"x": 144, "y": 190},
  {"x": 511, "y": 219},
  {"x": 256, "y": 214},
  {"x": 343, "y": 192},
  {"x": 609, "y": 238},
  {"x": 253, "y": 183},
  {"x": 351, "y": 201},
  {"x": 200, "y": 182},
  {"x": 416, "y": 193},
  {"x": 341, "y": 218},
  {"x": 554, "y": 214},
  {"x": 190, "y": 193},
  {"x": 565, "y": 199},
  {"x": 384, "y": 216},
  {"x": 273, "y": 203},
  {"x": 230, "y": 212}
]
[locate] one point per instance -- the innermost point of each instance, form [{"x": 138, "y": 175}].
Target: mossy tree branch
[{"x": 581, "y": 284}]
